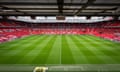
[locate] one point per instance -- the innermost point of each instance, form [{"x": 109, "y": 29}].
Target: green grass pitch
[{"x": 60, "y": 49}]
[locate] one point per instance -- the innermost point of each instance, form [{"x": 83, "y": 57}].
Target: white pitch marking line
[{"x": 60, "y": 54}]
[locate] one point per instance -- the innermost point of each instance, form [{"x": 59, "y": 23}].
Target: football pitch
[{"x": 59, "y": 50}]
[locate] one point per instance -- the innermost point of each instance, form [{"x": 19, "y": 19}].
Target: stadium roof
[{"x": 60, "y": 7}]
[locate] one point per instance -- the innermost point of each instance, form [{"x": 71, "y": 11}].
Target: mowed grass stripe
[
  {"x": 66, "y": 55},
  {"x": 18, "y": 48},
  {"x": 105, "y": 58},
  {"x": 111, "y": 52},
  {"x": 95, "y": 48},
  {"x": 100, "y": 54},
  {"x": 26, "y": 58},
  {"x": 19, "y": 43},
  {"x": 36, "y": 48},
  {"x": 60, "y": 49},
  {"x": 34, "y": 54},
  {"x": 16, "y": 42},
  {"x": 55, "y": 53},
  {"x": 112, "y": 44},
  {"x": 78, "y": 55},
  {"x": 22, "y": 39},
  {"x": 19, "y": 55},
  {"x": 87, "y": 51},
  {"x": 106, "y": 48},
  {"x": 5, "y": 57},
  {"x": 43, "y": 55}
]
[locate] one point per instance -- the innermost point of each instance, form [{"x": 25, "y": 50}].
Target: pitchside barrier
[{"x": 61, "y": 68}]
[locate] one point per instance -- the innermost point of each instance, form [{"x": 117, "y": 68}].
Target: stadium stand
[{"x": 10, "y": 29}]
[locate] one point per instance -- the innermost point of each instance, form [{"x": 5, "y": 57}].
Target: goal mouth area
[{"x": 62, "y": 68}]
